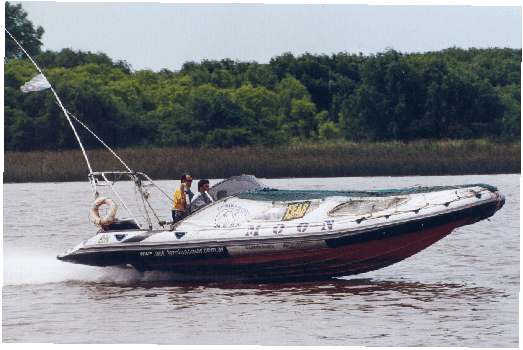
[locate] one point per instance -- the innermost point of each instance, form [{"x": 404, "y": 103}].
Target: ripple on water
[{"x": 462, "y": 291}]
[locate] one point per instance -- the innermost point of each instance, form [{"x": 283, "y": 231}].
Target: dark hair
[
  {"x": 186, "y": 177},
  {"x": 201, "y": 183}
]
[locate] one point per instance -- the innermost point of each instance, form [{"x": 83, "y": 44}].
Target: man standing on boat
[
  {"x": 181, "y": 204},
  {"x": 203, "y": 187}
]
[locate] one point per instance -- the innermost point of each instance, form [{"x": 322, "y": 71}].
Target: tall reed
[{"x": 300, "y": 160}]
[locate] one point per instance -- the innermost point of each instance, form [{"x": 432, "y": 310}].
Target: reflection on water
[
  {"x": 365, "y": 295},
  {"x": 189, "y": 294}
]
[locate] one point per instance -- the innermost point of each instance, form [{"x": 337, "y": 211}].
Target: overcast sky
[{"x": 156, "y": 36}]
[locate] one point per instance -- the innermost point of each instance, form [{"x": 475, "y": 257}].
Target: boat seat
[{"x": 120, "y": 225}]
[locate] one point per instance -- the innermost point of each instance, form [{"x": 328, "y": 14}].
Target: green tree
[
  {"x": 301, "y": 121},
  {"x": 453, "y": 93},
  {"x": 17, "y": 23},
  {"x": 261, "y": 114},
  {"x": 68, "y": 58},
  {"x": 329, "y": 131},
  {"x": 260, "y": 75},
  {"x": 511, "y": 120}
]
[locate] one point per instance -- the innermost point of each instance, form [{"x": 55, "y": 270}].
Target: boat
[{"x": 255, "y": 233}]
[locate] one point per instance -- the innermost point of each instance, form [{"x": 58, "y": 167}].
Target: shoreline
[
  {"x": 343, "y": 159},
  {"x": 278, "y": 178}
]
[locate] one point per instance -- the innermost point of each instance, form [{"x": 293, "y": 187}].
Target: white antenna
[
  {"x": 101, "y": 141},
  {"x": 93, "y": 176},
  {"x": 59, "y": 103}
]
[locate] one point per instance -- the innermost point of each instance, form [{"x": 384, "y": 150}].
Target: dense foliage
[
  {"x": 450, "y": 94},
  {"x": 17, "y": 23}
]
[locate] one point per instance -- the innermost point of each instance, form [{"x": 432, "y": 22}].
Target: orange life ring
[{"x": 94, "y": 212}]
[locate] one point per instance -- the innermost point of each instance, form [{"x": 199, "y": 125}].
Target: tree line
[{"x": 449, "y": 94}]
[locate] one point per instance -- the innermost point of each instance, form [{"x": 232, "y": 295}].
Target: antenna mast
[
  {"x": 93, "y": 176},
  {"x": 61, "y": 106}
]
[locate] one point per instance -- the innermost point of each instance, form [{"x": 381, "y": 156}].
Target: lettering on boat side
[
  {"x": 302, "y": 227},
  {"x": 253, "y": 230},
  {"x": 278, "y": 228},
  {"x": 296, "y": 210},
  {"x": 230, "y": 215},
  {"x": 327, "y": 225},
  {"x": 195, "y": 251},
  {"x": 103, "y": 239},
  {"x": 182, "y": 252}
]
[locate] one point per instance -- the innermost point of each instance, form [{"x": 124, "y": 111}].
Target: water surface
[{"x": 462, "y": 291}]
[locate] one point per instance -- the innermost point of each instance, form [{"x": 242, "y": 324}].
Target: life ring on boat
[{"x": 94, "y": 212}]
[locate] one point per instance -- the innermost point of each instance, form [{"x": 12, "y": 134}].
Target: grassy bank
[{"x": 304, "y": 160}]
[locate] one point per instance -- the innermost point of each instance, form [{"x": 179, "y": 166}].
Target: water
[{"x": 462, "y": 291}]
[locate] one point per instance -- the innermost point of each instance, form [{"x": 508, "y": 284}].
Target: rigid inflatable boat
[{"x": 252, "y": 232}]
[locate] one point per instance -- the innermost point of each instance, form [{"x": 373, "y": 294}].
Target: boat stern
[{"x": 70, "y": 254}]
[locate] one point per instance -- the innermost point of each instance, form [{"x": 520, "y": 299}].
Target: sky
[{"x": 162, "y": 35}]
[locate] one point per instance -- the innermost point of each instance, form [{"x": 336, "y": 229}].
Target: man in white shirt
[{"x": 203, "y": 187}]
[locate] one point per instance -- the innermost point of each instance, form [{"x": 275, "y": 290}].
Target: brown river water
[{"x": 462, "y": 291}]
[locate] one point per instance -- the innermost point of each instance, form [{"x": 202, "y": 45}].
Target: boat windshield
[{"x": 229, "y": 187}]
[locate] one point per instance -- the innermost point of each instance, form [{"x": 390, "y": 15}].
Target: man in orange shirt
[{"x": 181, "y": 204}]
